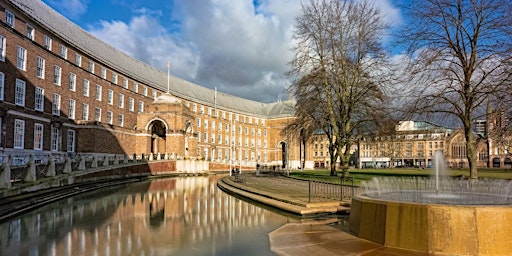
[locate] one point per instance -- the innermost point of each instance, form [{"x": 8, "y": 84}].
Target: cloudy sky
[{"x": 242, "y": 47}]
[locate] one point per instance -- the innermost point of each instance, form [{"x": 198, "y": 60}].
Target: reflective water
[{"x": 176, "y": 216}]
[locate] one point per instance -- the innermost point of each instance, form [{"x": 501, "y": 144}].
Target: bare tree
[
  {"x": 339, "y": 47},
  {"x": 460, "y": 52}
]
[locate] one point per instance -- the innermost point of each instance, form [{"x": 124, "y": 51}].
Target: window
[
  {"x": 19, "y": 134},
  {"x": 2, "y": 86},
  {"x": 38, "y": 136},
  {"x": 202, "y": 110},
  {"x": 109, "y": 117},
  {"x": 145, "y": 91},
  {"x": 57, "y": 75},
  {"x": 213, "y": 125},
  {"x": 2, "y": 48},
  {"x": 141, "y": 106},
  {"x": 78, "y": 59},
  {"x": 114, "y": 78},
  {"x": 131, "y": 104},
  {"x": 91, "y": 66},
  {"x": 9, "y": 18},
  {"x": 72, "y": 108},
  {"x": 98, "y": 92},
  {"x": 21, "y": 60},
  {"x": 71, "y": 141},
  {"x": 20, "y": 93},
  {"x": 85, "y": 112},
  {"x": 97, "y": 114},
  {"x": 198, "y": 122},
  {"x": 86, "y": 88},
  {"x": 39, "y": 99},
  {"x": 56, "y": 104},
  {"x": 103, "y": 73},
  {"x": 72, "y": 82},
  {"x": 30, "y": 32},
  {"x": 153, "y": 94},
  {"x": 40, "y": 67},
  {"x": 47, "y": 43},
  {"x": 63, "y": 52},
  {"x": 55, "y": 138},
  {"x": 135, "y": 87},
  {"x": 110, "y": 97},
  {"x": 121, "y": 101},
  {"x": 125, "y": 83},
  {"x": 120, "y": 120}
]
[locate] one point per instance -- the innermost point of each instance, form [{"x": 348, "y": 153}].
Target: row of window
[
  {"x": 226, "y": 115},
  {"x": 221, "y": 154},
  {"x": 218, "y": 138},
  {"x": 21, "y": 61},
  {"x": 55, "y": 134},
  {"x": 20, "y": 95},
  {"x": 220, "y": 126}
]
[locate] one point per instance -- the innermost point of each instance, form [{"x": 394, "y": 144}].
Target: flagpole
[{"x": 168, "y": 76}]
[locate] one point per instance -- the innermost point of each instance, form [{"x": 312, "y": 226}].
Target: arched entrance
[
  {"x": 284, "y": 154},
  {"x": 158, "y": 131},
  {"x": 508, "y": 162},
  {"x": 496, "y": 162}
]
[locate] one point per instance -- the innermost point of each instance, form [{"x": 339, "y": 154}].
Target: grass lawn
[{"x": 367, "y": 174}]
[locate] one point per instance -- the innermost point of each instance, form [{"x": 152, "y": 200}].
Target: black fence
[{"x": 341, "y": 189}]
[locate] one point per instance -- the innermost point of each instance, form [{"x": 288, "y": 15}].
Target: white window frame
[
  {"x": 63, "y": 51},
  {"x": 97, "y": 114},
  {"x": 153, "y": 94},
  {"x": 21, "y": 58},
  {"x": 114, "y": 78},
  {"x": 125, "y": 83},
  {"x": 145, "y": 91},
  {"x": 19, "y": 134},
  {"x": 2, "y": 49},
  {"x": 85, "y": 112},
  {"x": 110, "y": 97},
  {"x": 78, "y": 59},
  {"x": 121, "y": 101},
  {"x": 131, "y": 104},
  {"x": 47, "y": 42},
  {"x": 55, "y": 138},
  {"x": 72, "y": 109},
  {"x": 103, "y": 73},
  {"x": 120, "y": 120},
  {"x": 71, "y": 141},
  {"x": 57, "y": 75},
  {"x": 40, "y": 68},
  {"x": 39, "y": 99},
  {"x": 98, "y": 92},
  {"x": 10, "y": 19},
  {"x": 30, "y": 31},
  {"x": 135, "y": 87},
  {"x": 72, "y": 82},
  {"x": 110, "y": 118},
  {"x": 38, "y": 136},
  {"x": 56, "y": 104},
  {"x": 86, "y": 87},
  {"x": 141, "y": 106},
  {"x": 2, "y": 79},
  {"x": 20, "y": 93},
  {"x": 91, "y": 66}
]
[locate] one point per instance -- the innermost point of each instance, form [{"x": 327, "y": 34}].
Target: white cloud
[
  {"x": 73, "y": 9},
  {"x": 220, "y": 43}
]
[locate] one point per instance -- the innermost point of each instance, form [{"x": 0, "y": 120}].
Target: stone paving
[{"x": 307, "y": 238}]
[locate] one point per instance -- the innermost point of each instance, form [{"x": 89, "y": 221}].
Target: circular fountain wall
[{"x": 462, "y": 217}]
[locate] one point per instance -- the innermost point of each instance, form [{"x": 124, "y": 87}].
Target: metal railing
[{"x": 340, "y": 189}]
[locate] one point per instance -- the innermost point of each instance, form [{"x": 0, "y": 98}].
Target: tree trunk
[{"x": 471, "y": 154}]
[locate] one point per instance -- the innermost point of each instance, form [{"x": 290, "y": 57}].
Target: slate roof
[{"x": 113, "y": 58}]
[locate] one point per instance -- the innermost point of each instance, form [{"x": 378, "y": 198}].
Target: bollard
[
  {"x": 116, "y": 160},
  {"x": 94, "y": 161},
  {"x": 50, "y": 172},
  {"x": 125, "y": 160},
  {"x": 151, "y": 156},
  {"x": 105, "y": 161},
  {"x": 5, "y": 176},
  {"x": 81, "y": 164},
  {"x": 31, "y": 170},
  {"x": 67, "y": 165}
]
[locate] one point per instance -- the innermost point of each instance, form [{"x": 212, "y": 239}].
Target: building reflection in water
[{"x": 181, "y": 216}]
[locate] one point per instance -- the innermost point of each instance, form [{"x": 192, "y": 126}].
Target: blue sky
[{"x": 242, "y": 47}]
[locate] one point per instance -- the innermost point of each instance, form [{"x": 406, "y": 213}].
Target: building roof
[{"x": 113, "y": 58}]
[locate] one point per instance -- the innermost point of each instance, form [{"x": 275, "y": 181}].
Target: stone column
[
  {"x": 50, "y": 171},
  {"x": 31, "y": 170},
  {"x": 5, "y": 176},
  {"x": 67, "y": 165}
]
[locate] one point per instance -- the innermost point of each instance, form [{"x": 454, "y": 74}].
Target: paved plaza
[{"x": 309, "y": 237}]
